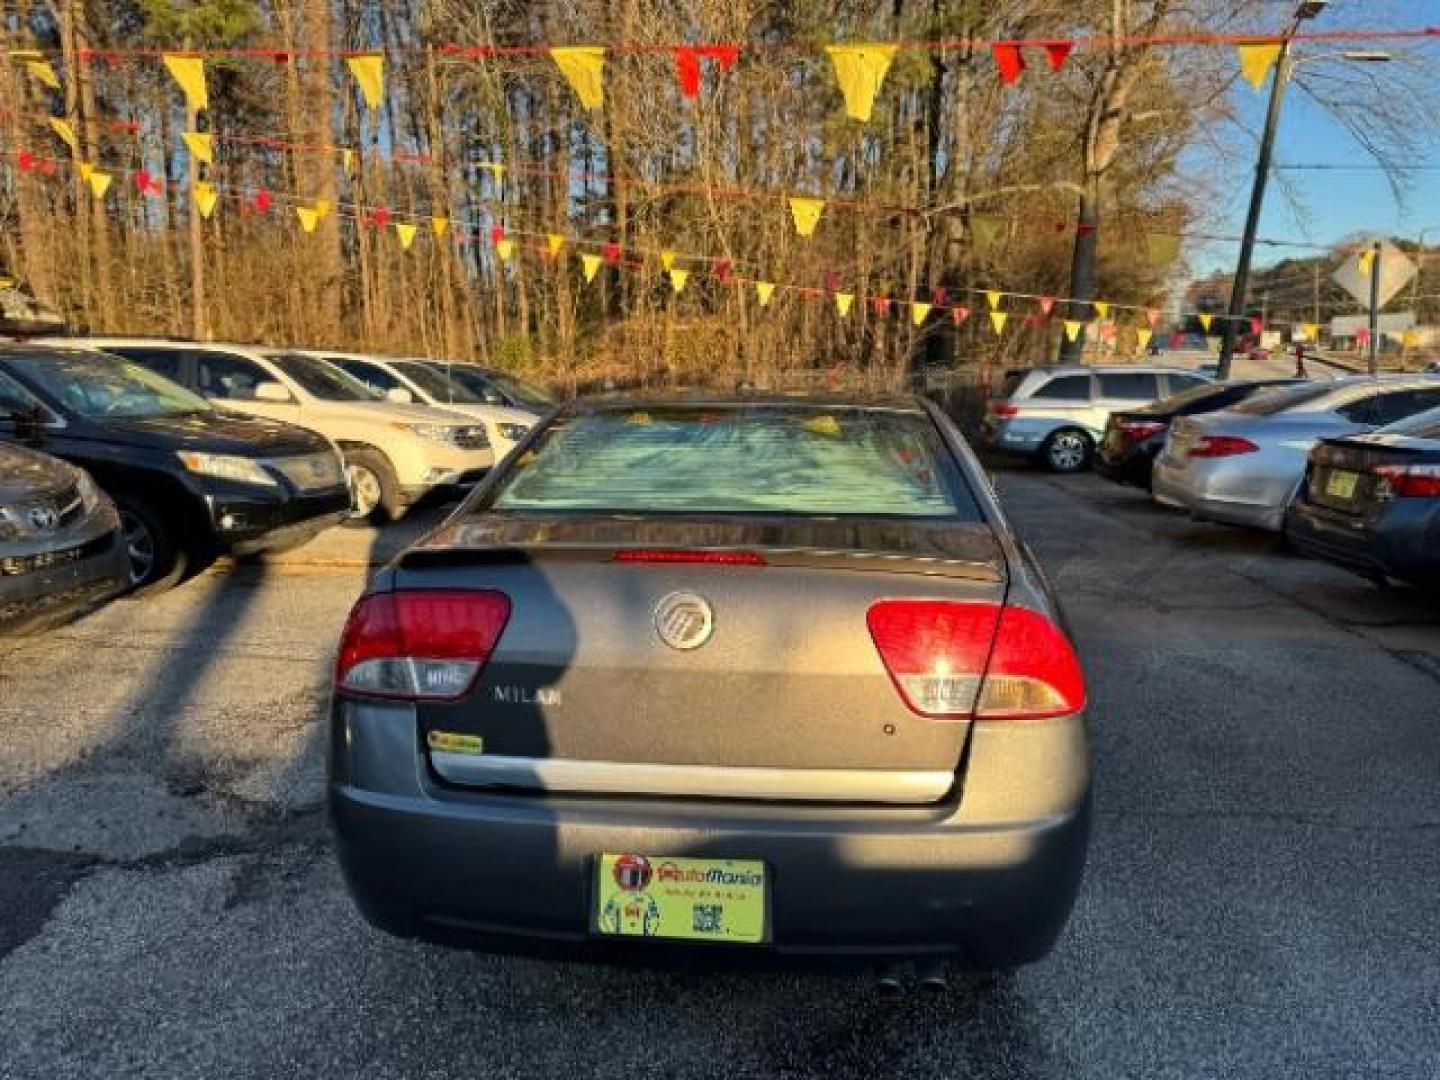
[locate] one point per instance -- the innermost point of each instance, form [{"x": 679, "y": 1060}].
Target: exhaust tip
[
  {"x": 887, "y": 983},
  {"x": 933, "y": 980}
]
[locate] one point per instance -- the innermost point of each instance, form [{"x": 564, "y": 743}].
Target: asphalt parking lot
[{"x": 1261, "y": 899}]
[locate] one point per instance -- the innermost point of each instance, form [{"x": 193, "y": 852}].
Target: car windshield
[
  {"x": 749, "y": 459},
  {"x": 1277, "y": 401},
  {"x": 99, "y": 386},
  {"x": 522, "y": 393},
  {"x": 321, "y": 379},
  {"x": 1425, "y": 425},
  {"x": 435, "y": 383}
]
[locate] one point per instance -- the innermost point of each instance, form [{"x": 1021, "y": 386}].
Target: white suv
[
  {"x": 419, "y": 381},
  {"x": 1058, "y": 414},
  {"x": 395, "y": 453}
]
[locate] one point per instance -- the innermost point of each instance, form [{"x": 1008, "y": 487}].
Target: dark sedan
[
  {"x": 1371, "y": 503},
  {"x": 744, "y": 678},
  {"x": 1134, "y": 438}
]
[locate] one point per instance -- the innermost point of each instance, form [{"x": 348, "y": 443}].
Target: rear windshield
[
  {"x": 768, "y": 460},
  {"x": 1210, "y": 392},
  {"x": 1277, "y": 401},
  {"x": 1425, "y": 425}
]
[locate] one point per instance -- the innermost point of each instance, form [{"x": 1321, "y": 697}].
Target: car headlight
[
  {"x": 225, "y": 467},
  {"x": 454, "y": 434},
  {"x": 512, "y": 432}
]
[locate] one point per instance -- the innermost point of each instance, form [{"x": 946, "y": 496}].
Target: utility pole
[
  {"x": 1315, "y": 311},
  {"x": 1374, "y": 342}
]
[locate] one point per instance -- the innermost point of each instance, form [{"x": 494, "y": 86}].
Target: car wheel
[
  {"x": 377, "y": 493},
  {"x": 158, "y": 556},
  {"x": 1068, "y": 451}
]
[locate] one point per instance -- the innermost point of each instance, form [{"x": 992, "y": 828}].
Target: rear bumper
[
  {"x": 1130, "y": 466},
  {"x": 1202, "y": 497},
  {"x": 1403, "y": 542},
  {"x": 976, "y": 882},
  {"x": 1020, "y": 436}
]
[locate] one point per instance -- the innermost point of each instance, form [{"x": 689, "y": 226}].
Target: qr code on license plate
[{"x": 708, "y": 919}]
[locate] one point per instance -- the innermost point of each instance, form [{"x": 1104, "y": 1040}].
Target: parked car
[
  {"x": 498, "y": 387},
  {"x": 417, "y": 381},
  {"x": 1058, "y": 414},
  {"x": 60, "y": 548},
  {"x": 1371, "y": 503},
  {"x": 1243, "y": 465},
  {"x": 189, "y": 482},
  {"x": 748, "y": 673},
  {"x": 1133, "y": 438},
  {"x": 395, "y": 454}
]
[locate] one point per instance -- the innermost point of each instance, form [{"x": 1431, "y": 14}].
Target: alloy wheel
[
  {"x": 366, "y": 486},
  {"x": 139, "y": 545},
  {"x": 1067, "y": 451}
]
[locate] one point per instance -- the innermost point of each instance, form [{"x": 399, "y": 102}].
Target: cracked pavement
[{"x": 1260, "y": 900}]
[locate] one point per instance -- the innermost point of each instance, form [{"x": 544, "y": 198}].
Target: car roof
[{"x": 1108, "y": 369}]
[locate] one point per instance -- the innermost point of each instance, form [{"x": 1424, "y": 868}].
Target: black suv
[{"x": 190, "y": 482}]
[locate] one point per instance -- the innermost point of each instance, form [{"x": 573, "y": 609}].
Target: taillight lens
[
  {"x": 1408, "y": 481},
  {"x": 667, "y": 555},
  {"x": 1216, "y": 446},
  {"x": 1001, "y": 408},
  {"x": 954, "y": 661},
  {"x": 419, "y": 644},
  {"x": 1134, "y": 431}
]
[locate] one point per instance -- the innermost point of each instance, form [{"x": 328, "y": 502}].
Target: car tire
[
  {"x": 159, "y": 553},
  {"x": 1068, "y": 450},
  {"x": 377, "y": 492}
]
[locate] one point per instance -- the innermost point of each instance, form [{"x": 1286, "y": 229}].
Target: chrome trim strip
[{"x": 718, "y": 781}]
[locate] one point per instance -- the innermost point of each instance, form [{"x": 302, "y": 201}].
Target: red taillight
[
  {"x": 1134, "y": 431},
  {"x": 419, "y": 643},
  {"x": 666, "y": 555},
  {"x": 1213, "y": 446},
  {"x": 1001, "y": 408},
  {"x": 1408, "y": 481},
  {"x": 953, "y": 660}
]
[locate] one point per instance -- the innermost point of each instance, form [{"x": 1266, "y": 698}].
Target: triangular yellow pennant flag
[
  {"x": 678, "y": 278},
  {"x": 439, "y": 226},
  {"x": 1102, "y": 308},
  {"x": 347, "y": 160},
  {"x": 764, "y": 290},
  {"x": 667, "y": 259},
  {"x": 1205, "y": 321},
  {"x": 406, "y": 232},
  {"x": 554, "y": 242},
  {"x": 998, "y": 320},
  {"x": 1072, "y": 329},
  {"x": 99, "y": 183},
  {"x": 39, "y": 68},
  {"x": 1312, "y": 331},
  {"x": 205, "y": 198},
  {"x": 918, "y": 311},
  {"x": 860, "y": 69},
  {"x": 309, "y": 217},
  {"x": 85, "y": 169},
  {"x": 1256, "y": 60},
  {"x": 201, "y": 146},
  {"x": 504, "y": 249},
  {"x": 369, "y": 72},
  {"x": 323, "y": 208},
  {"x": 496, "y": 169},
  {"x": 992, "y": 297},
  {"x": 843, "y": 300},
  {"x": 1142, "y": 338},
  {"x": 1367, "y": 260},
  {"x": 806, "y": 213},
  {"x": 1163, "y": 248},
  {"x": 66, "y": 131},
  {"x": 986, "y": 230},
  {"x": 591, "y": 263},
  {"x": 189, "y": 72},
  {"x": 584, "y": 68}
]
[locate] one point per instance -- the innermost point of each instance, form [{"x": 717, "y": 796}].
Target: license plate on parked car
[
  {"x": 724, "y": 900},
  {"x": 1341, "y": 484}
]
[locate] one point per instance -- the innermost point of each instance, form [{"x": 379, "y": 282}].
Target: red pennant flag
[
  {"x": 1084, "y": 230},
  {"x": 25, "y": 160},
  {"x": 939, "y": 296},
  {"x": 687, "y": 70},
  {"x": 723, "y": 55},
  {"x": 1256, "y": 326},
  {"x": 47, "y": 166},
  {"x": 1152, "y": 316},
  {"x": 812, "y": 294},
  {"x": 380, "y": 217},
  {"x": 1176, "y": 339},
  {"x": 1008, "y": 60},
  {"x": 497, "y": 234},
  {"x": 1047, "y": 304},
  {"x": 959, "y": 314},
  {"x": 832, "y": 281},
  {"x": 143, "y": 181},
  {"x": 721, "y": 269},
  {"x": 1057, "y": 52},
  {"x": 881, "y": 304},
  {"x": 263, "y": 200},
  {"x": 611, "y": 253}
]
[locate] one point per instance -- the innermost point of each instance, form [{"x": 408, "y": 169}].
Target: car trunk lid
[{"x": 1355, "y": 476}]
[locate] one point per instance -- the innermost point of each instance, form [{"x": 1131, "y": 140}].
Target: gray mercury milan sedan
[
  {"x": 742, "y": 678},
  {"x": 60, "y": 549}
]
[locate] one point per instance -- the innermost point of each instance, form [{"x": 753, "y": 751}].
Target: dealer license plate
[
  {"x": 1341, "y": 484},
  {"x": 725, "y": 900}
]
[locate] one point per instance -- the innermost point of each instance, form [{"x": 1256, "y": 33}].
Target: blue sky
[{"x": 1334, "y": 204}]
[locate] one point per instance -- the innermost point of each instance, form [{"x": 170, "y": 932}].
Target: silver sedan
[{"x": 1243, "y": 465}]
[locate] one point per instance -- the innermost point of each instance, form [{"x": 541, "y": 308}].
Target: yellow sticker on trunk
[{"x": 452, "y": 742}]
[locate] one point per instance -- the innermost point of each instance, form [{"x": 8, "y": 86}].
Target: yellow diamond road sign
[{"x": 1396, "y": 270}]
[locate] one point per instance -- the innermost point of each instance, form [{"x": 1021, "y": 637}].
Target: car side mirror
[
  {"x": 272, "y": 391},
  {"x": 398, "y": 395}
]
